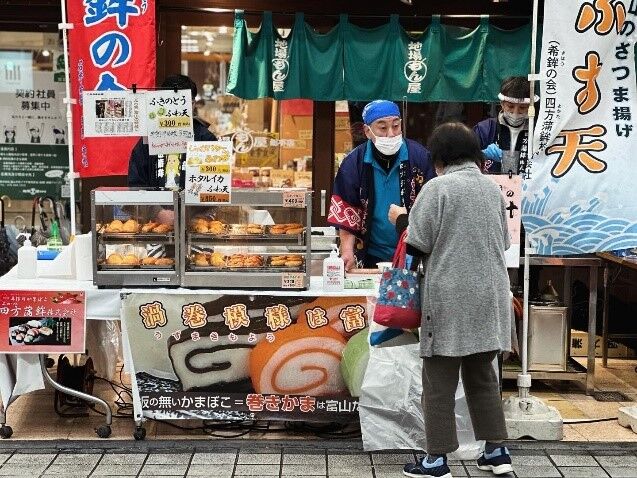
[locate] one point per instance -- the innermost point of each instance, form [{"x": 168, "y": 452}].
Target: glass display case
[
  {"x": 259, "y": 241},
  {"x": 136, "y": 240}
]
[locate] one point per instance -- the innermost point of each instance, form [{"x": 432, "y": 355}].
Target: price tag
[
  {"x": 292, "y": 280},
  {"x": 294, "y": 199},
  {"x": 214, "y": 198}
]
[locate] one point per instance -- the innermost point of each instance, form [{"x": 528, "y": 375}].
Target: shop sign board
[
  {"x": 580, "y": 196},
  {"x": 242, "y": 357},
  {"x": 42, "y": 322},
  {"x": 511, "y": 189},
  {"x": 114, "y": 113},
  {"x": 111, "y": 48},
  {"x": 169, "y": 123},
  {"x": 33, "y": 142},
  {"x": 209, "y": 172}
]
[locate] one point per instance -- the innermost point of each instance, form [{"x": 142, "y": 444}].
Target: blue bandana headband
[{"x": 379, "y": 109}]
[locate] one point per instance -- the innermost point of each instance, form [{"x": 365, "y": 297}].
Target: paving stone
[
  {"x": 388, "y": 471},
  {"x": 620, "y": 471},
  {"x": 71, "y": 475},
  {"x": 583, "y": 472},
  {"x": 80, "y": 468},
  {"x": 574, "y": 460},
  {"x": 117, "y": 469},
  {"x": 617, "y": 460},
  {"x": 473, "y": 470},
  {"x": 31, "y": 458},
  {"x": 458, "y": 470},
  {"x": 356, "y": 474},
  {"x": 166, "y": 469},
  {"x": 392, "y": 458},
  {"x": 77, "y": 459},
  {"x": 305, "y": 459},
  {"x": 304, "y": 470},
  {"x": 530, "y": 460},
  {"x": 211, "y": 469},
  {"x": 4, "y": 457},
  {"x": 168, "y": 458},
  {"x": 21, "y": 470},
  {"x": 528, "y": 471},
  {"x": 123, "y": 459},
  {"x": 259, "y": 458},
  {"x": 214, "y": 459},
  {"x": 335, "y": 462},
  {"x": 257, "y": 470}
]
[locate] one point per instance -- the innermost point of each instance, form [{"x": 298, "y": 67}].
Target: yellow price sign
[
  {"x": 214, "y": 197},
  {"x": 214, "y": 169},
  {"x": 174, "y": 122}
]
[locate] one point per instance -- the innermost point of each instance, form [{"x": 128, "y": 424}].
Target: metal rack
[{"x": 575, "y": 371}]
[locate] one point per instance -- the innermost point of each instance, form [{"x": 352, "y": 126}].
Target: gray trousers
[{"x": 482, "y": 389}]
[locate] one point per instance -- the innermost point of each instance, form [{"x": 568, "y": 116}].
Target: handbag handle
[{"x": 400, "y": 255}]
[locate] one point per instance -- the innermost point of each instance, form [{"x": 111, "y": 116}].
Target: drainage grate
[{"x": 611, "y": 396}]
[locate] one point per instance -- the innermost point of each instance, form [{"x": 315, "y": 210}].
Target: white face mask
[
  {"x": 514, "y": 119},
  {"x": 388, "y": 145}
]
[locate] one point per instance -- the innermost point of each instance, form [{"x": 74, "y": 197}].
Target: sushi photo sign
[
  {"x": 235, "y": 357},
  {"x": 42, "y": 322}
]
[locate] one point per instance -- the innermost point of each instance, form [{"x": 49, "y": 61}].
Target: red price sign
[
  {"x": 293, "y": 280},
  {"x": 294, "y": 199}
]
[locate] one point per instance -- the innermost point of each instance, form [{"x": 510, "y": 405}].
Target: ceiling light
[
  {"x": 184, "y": 27},
  {"x": 406, "y": 2},
  {"x": 206, "y": 53},
  {"x": 46, "y": 52}
]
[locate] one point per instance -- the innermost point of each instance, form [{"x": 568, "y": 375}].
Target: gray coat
[{"x": 459, "y": 222}]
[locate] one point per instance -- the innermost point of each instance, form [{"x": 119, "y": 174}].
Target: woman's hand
[{"x": 394, "y": 212}]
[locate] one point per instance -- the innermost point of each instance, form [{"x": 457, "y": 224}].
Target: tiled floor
[
  {"x": 529, "y": 462},
  {"x": 32, "y": 416}
]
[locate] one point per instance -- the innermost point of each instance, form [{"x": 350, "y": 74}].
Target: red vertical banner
[{"x": 111, "y": 47}]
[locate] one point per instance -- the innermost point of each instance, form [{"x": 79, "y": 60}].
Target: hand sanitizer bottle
[
  {"x": 27, "y": 261},
  {"x": 333, "y": 272}
]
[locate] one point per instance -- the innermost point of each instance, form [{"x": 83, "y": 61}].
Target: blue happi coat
[{"x": 353, "y": 195}]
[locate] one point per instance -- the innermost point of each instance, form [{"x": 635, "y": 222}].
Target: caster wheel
[
  {"x": 6, "y": 431},
  {"x": 139, "y": 433},
  {"x": 104, "y": 431}
]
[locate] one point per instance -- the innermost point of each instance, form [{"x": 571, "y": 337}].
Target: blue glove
[{"x": 493, "y": 152}]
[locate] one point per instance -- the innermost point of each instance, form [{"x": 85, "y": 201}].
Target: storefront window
[{"x": 272, "y": 139}]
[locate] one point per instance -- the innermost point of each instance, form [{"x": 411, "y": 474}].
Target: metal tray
[
  {"x": 193, "y": 268},
  {"x": 128, "y": 267},
  {"x": 138, "y": 237}
]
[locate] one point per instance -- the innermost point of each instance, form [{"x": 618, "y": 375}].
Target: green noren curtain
[{"x": 444, "y": 63}]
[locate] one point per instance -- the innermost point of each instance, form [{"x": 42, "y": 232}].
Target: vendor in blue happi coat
[
  {"x": 505, "y": 138},
  {"x": 386, "y": 171}
]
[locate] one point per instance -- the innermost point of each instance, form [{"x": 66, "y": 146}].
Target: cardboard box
[
  {"x": 299, "y": 130},
  {"x": 579, "y": 346}
]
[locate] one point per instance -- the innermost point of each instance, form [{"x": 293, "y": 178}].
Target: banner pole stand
[
  {"x": 72, "y": 175},
  {"x": 526, "y": 415}
]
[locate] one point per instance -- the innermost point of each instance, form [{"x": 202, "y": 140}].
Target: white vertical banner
[{"x": 580, "y": 195}]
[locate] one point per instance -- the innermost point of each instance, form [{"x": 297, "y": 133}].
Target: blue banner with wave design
[{"x": 580, "y": 190}]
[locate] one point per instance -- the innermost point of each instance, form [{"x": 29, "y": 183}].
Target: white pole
[
  {"x": 64, "y": 26},
  {"x": 524, "y": 380}
]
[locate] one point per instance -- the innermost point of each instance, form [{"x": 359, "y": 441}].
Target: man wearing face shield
[
  {"x": 504, "y": 140},
  {"x": 384, "y": 171}
]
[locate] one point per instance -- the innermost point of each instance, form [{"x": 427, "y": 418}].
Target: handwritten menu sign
[
  {"x": 169, "y": 121},
  {"x": 209, "y": 172}
]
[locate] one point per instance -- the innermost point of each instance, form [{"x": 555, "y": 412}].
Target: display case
[
  {"x": 136, "y": 241},
  {"x": 261, "y": 240}
]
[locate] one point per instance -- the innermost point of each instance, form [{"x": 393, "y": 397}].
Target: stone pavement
[{"x": 301, "y": 458}]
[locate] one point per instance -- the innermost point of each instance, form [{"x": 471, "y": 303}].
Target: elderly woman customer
[{"x": 458, "y": 223}]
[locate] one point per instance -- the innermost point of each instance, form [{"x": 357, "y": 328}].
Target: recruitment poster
[
  {"x": 42, "y": 322},
  {"x": 33, "y": 142},
  {"x": 240, "y": 357}
]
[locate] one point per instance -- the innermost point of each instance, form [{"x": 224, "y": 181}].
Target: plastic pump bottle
[
  {"x": 27, "y": 261},
  {"x": 333, "y": 272}
]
